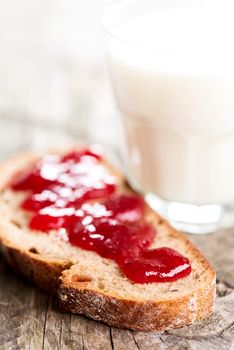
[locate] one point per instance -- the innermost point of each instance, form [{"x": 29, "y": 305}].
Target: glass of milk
[{"x": 172, "y": 68}]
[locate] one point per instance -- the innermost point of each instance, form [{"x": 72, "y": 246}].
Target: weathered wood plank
[
  {"x": 123, "y": 339},
  {"x": 22, "y": 310},
  {"x": 65, "y": 331},
  {"x": 94, "y": 335},
  {"x": 219, "y": 249}
]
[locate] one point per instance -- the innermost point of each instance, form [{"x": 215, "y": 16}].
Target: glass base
[{"x": 197, "y": 219}]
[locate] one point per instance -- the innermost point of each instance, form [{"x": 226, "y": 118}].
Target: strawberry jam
[
  {"x": 80, "y": 173},
  {"x": 65, "y": 213},
  {"x": 112, "y": 239},
  {"x": 75, "y": 195},
  {"x": 157, "y": 265},
  {"x": 126, "y": 208}
]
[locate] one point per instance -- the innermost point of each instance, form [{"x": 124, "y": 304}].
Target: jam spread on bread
[
  {"x": 75, "y": 195},
  {"x": 157, "y": 265},
  {"x": 75, "y": 177}
]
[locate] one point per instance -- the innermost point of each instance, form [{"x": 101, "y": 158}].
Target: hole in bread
[
  {"x": 63, "y": 297},
  {"x": 172, "y": 288},
  {"x": 16, "y": 223},
  {"x": 79, "y": 278},
  {"x": 34, "y": 250},
  {"x": 160, "y": 222},
  {"x": 101, "y": 285}
]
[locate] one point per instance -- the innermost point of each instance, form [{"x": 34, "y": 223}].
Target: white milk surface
[{"x": 174, "y": 85}]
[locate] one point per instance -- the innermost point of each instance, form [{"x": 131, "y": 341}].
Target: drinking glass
[{"x": 173, "y": 78}]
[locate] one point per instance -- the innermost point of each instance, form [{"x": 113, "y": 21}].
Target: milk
[{"x": 174, "y": 85}]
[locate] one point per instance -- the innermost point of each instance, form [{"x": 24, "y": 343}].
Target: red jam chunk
[
  {"x": 126, "y": 208},
  {"x": 82, "y": 172},
  {"x": 66, "y": 196},
  {"x": 62, "y": 194},
  {"x": 157, "y": 265},
  {"x": 37, "y": 201},
  {"x": 76, "y": 156},
  {"x": 65, "y": 214},
  {"x": 112, "y": 239},
  {"x": 43, "y": 174},
  {"x": 51, "y": 218}
]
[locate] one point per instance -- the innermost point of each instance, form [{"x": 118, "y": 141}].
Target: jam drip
[{"x": 62, "y": 196}]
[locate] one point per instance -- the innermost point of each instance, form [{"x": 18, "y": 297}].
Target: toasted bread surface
[{"x": 91, "y": 285}]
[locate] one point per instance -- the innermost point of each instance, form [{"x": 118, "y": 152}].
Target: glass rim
[
  {"x": 118, "y": 5},
  {"x": 108, "y": 13},
  {"x": 107, "y": 19}
]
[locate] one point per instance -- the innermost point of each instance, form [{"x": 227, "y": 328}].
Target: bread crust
[
  {"x": 44, "y": 273},
  {"x": 53, "y": 275},
  {"x": 138, "y": 316}
]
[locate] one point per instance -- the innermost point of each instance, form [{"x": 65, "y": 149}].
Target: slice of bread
[{"x": 90, "y": 285}]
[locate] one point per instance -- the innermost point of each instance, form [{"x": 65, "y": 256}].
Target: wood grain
[{"x": 30, "y": 319}]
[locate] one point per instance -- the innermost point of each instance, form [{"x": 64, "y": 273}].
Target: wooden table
[{"x": 30, "y": 319}]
